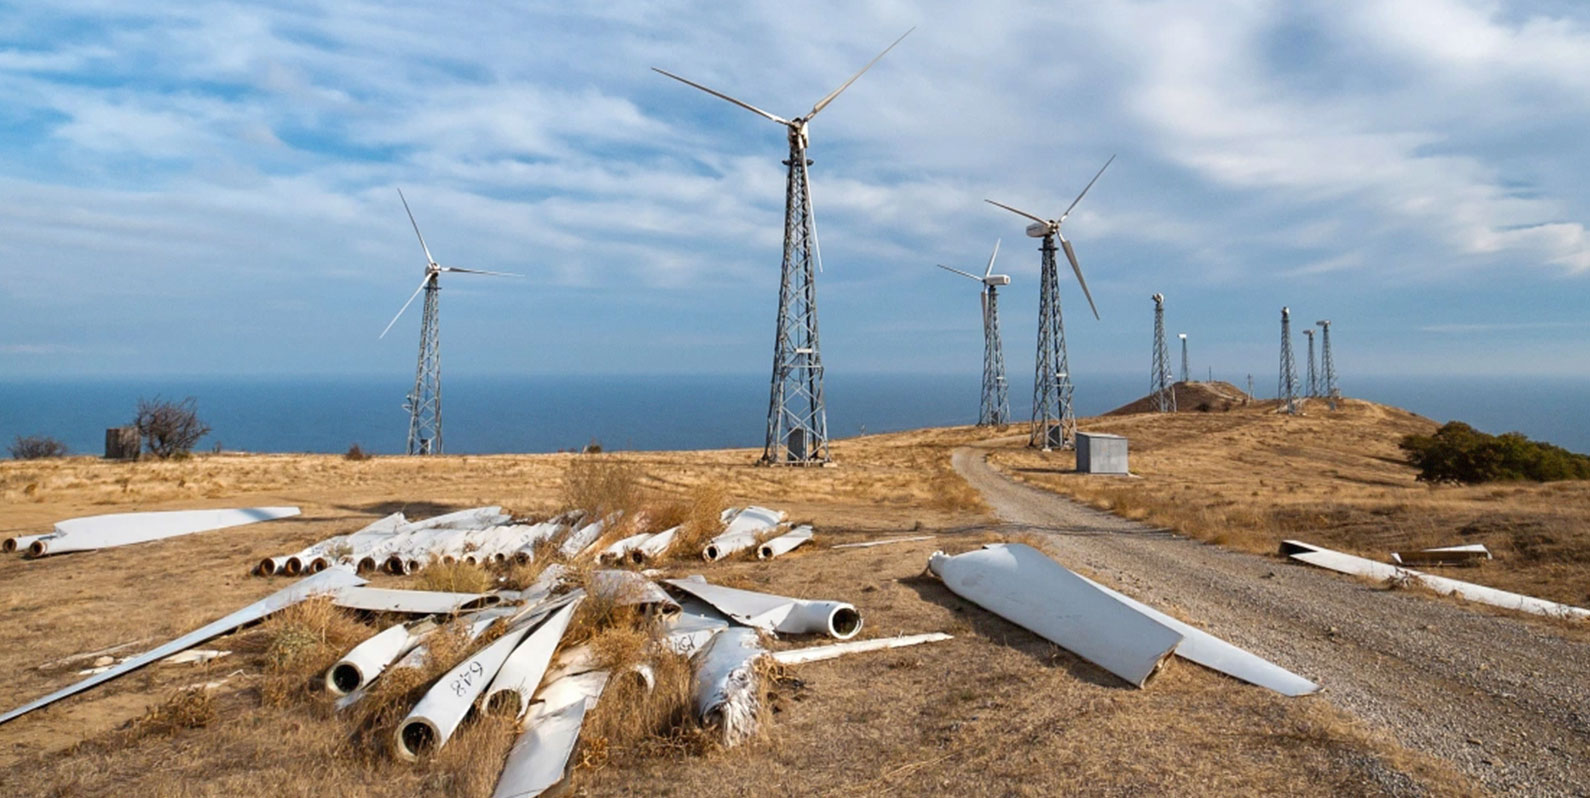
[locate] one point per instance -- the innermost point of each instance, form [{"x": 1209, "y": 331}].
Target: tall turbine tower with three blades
[
  {"x": 797, "y": 417},
  {"x": 1054, "y": 423},
  {"x": 1287, "y": 384},
  {"x": 1160, "y": 383},
  {"x": 424, "y": 403},
  {"x": 995, "y": 408}
]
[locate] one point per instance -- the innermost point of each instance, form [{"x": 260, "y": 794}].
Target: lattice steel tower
[
  {"x": 1287, "y": 389},
  {"x": 994, "y": 411},
  {"x": 797, "y": 418},
  {"x": 1184, "y": 372},
  {"x": 1327, "y": 365},
  {"x": 1313, "y": 380},
  {"x": 424, "y": 402},
  {"x": 1160, "y": 385},
  {"x": 1054, "y": 422}
]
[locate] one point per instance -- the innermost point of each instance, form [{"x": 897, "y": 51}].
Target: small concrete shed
[{"x": 1101, "y": 453}]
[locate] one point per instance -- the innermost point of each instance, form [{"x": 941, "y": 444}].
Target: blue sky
[{"x": 211, "y": 189}]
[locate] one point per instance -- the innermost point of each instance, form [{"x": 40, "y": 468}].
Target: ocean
[{"x": 484, "y": 414}]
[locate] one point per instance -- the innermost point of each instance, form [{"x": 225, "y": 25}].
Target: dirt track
[{"x": 1506, "y": 700}]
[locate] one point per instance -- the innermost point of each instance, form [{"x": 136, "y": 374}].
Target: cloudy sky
[{"x": 211, "y": 189}]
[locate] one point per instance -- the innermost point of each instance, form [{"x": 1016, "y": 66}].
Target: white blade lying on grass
[
  {"x": 885, "y": 542},
  {"x": 627, "y": 588},
  {"x": 796, "y": 656},
  {"x": 742, "y": 532},
  {"x": 434, "y": 719},
  {"x": 121, "y": 529},
  {"x": 785, "y": 543},
  {"x": 1361, "y": 566},
  {"x": 653, "y": 547},
  {"x": 516, "y": 681},
  {"x": 619, "y": 551},
  {"x": 1018, "y": 583},
  {"x": 323, "y": 582},
  {"x": 772, "y": 613},
  {"x": 416, "y": 602},
  {"x": 364, "y": 662},
  {"x": 540, "y": 757},
  {"x": 726, "y": 690}
]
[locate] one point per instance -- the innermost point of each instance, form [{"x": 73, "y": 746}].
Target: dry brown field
[
  {"x": 997, "y": 711},
  {"x": 1251, "y": 477}
]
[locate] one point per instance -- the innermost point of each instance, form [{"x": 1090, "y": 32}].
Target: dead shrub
[
  {"x": 300, "y": 643},
  {"x": 601, "y": 485},
  {"x": 455, "y": 577},
  {"x": 187, "y": 708},
  {"x": 703, "y": 521},
  {"x": 356, "y": 453},
  {"x": 36, "y": 447},
  {"x": 169, "y": 429}
]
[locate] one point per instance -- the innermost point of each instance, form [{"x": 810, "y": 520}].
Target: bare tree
[
  {"x": 169, "y": 429},
  {"x": 36, "y": 447}
]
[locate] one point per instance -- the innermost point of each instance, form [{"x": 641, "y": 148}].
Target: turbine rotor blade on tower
[
  {"x": 399, "y": 315},
  {"x": 991, "y": 256},
  {"x": 1085, "y": 189},
  {"x": 823, "y": 103},
  {"x": 477, "y": 271},
  {"x": 1018, "y": 212},
  {"x": 1071, "y": 255},
  {"x": 720, "y": 95},
  {"x": 958, "y": 271},
  {"x": 429, "y": 261},
  {"x": 811, "y": 213}
]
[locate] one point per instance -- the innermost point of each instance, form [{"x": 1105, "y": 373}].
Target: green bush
[{"x": 1459, "y": 453}]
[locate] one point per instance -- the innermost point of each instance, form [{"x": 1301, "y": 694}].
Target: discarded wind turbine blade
[
  {"x": 796, "y": 656},
  {"x": 478, "y": 271},
  {"x": 742, "y": 532},
  {"x": 429, "y": 261},
  {"x": 323, "y": 582},
  {"x": 521, "y": 673},
  {"x": 990, "y": 270},
  {"x": 772, "y": 613},
  {"x": 1216, "y": 654},
  {"x": 367, "y": 660},
  {"x": 1022, "y": 585},
  {"x": 958, "y": 271},
  {"x": 720, "y": 95},
  {"x": 1017, "y": 211},
  {"x": 540, "y": 757},
  {"x": 416, "y": 602},
  {"x": 122, "y": 529},
  {"x": 1071, "y": 255},
  {"x": 867, "y": 544},
  {"x": 785, "y": 543},
  {"x": 1085, "y": 189},
  {"x": 405, "y": 307},
  {"x": 823, "y": 103},
  {"x": 434, "y": 719},
  {"x": 726, "y": 690}
]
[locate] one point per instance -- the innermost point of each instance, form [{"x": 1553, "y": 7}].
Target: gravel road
[{"x": 1505, "y": 700}]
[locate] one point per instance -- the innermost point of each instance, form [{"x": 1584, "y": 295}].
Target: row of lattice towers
[{"x": 1321, "y": 381}]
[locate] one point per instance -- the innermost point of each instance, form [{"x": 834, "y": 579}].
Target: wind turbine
[
  {"x": 995, "y": 409},
  {"x": 797, "y": 418},
  {"x": 1054, "y": 423},
  {"x": 424, "y": 403}
]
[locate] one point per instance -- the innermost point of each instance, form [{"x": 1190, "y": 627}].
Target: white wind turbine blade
[
  {"x": 428, "y": 259},
  {"x": 1085, "y": 189},
  {"x": 405, "y": 307},
  {"x": 720, "y": 95},
  {"x": 1016, "y": 211},
  {"x": 958, "y": 271},
  {"x": 477, "y": 271},
  {"x": 1071, "y": 255},
  {"x": 991, "y": 257},
  {"x": 823, "y": 103}
]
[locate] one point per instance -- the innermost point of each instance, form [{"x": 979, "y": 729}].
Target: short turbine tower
[
  {"x": 797, "y": 417},
  {"x": 995, "y": 408},
  {"x": 424, "y": 402},
  {"x": 1328, "y": 365},
  {"x": 1054, "y": 422},
  {"x": 1160, "y": 384}
]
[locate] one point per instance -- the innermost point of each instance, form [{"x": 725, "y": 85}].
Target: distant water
[{"x": 542, "y": 414}]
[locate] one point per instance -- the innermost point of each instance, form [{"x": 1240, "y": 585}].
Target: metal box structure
[{"x": 1101, "y": 453}]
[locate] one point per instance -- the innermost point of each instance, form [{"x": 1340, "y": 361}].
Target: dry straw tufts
[
  {"x": 188, "y": 708},
  {"x": 301, "y": 642},
  {"x": 632, "y": 722},
  {"x": 455, "y": 577},
  {"x": 601, "y": 484},
  {"x": 703, "y": 521}
]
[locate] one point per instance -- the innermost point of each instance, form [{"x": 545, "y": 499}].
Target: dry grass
[
  {"x": 455, "y": 577},
  {"x": 1249, "y": 478},
  {"x": 186, "y": 708},
  {"x": 601, "y": 484},
  {"x": 996, "y": 704},
  {"x": 701, "y": 521}
]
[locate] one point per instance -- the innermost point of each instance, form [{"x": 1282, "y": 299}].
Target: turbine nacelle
[
  {"x": 996, "y": 280},
  {"x": 1041, "y": 229}
]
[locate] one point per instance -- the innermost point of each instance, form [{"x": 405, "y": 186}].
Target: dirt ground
[
  {"x": 996, "y": 711},
  {"x": 1251, "y": 477}
]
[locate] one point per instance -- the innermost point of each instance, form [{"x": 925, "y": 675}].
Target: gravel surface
[{"x": 1506, "y": 701}]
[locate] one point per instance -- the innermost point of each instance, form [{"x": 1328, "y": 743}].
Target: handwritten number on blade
[{"x": 462, "y": 683}]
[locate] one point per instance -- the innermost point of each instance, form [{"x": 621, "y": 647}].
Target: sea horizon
[{"x": 493, "y": 414}]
